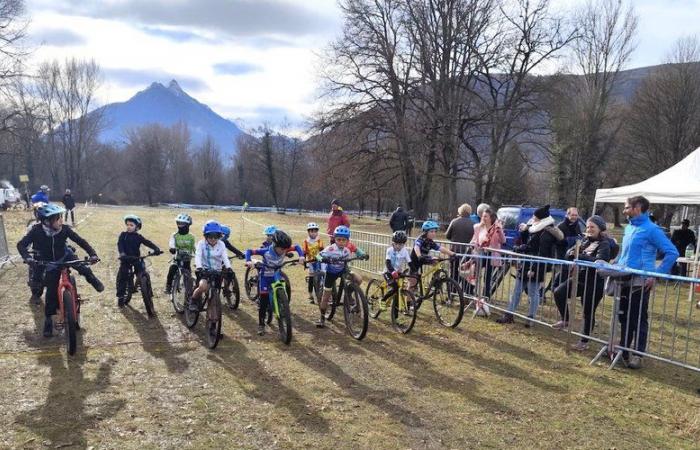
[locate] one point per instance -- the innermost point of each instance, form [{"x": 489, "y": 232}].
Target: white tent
[{"x": 677, "y": 185}]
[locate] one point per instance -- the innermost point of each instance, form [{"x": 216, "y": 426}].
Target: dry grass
[{"x": 139, "y": 383}]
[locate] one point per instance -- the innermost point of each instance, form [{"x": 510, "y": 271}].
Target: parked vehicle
[{"x": 514, "y": 215}]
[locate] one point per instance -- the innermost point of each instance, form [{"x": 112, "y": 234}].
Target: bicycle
[
  {"x": 442, "y": 289},
  {"x": 143, "y": 283},
  {"x": 231, "y": 289},
  {"x": 251, "y": 285},
  {"x": 279, "y": 298},
  {"x": 317, "y": 276},
  {"x": 69, "y": 301},
  {"x": 351, "y": 297},
  {"x": 400, "y": 300},
  {"x": 211, "y": 303},
  {"x": 182, "y": 281}
]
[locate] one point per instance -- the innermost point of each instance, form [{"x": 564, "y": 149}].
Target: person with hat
[
  {"x": 69, "y": 204},
  {"x": 540, "y": 237},
  {"x": 129, "y": 246},
  {"x": 589, "y": 285},
  {"x": 336, "y": 218}
]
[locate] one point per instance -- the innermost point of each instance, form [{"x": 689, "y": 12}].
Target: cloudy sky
[{"x": 250, "y": 60}]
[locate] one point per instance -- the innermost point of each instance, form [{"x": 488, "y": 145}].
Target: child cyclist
[
  {"x": 210, "y": 253},
  {"x": 312, "y": 246},
  {"x": 273, "y": 255},
  {"x": 48, "y": 239},
  {"x": 339, "y": 250},
  {"x": 421, "y": 248},
  {"x": 181, "y": 245},
  {"x": 397, "y": 258},
  {"x": 129, "y": 246}
]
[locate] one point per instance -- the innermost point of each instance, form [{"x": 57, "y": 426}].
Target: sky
[{"x": 252, "y": 61}]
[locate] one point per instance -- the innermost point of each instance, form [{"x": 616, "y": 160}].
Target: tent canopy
[{"x": 677, "y": 185}]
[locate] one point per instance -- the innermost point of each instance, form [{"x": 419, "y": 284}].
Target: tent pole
[{"x": 594, "y": 205}]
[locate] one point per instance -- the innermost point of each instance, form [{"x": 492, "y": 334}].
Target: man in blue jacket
[{"x": 640, "y": 244}]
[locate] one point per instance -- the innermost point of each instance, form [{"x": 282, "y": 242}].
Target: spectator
[
  {"x": 572, "y": 229},
  {"x": 589, "y": 286},
  {"x": 476, "y": 218},
  {"x": 42, "y": 195},
  {"x": 399, "y": 220},
  {"x": 411, "y": 222},
  {"x": 336, "y": 218},
  {"x": 540, "y": 237},
  {"x": 460, "y": 232},
  {"x": 488, "y": 234},
  {"x": 69, "y": 204},
  {"x": 681, "y": 239},
  {"x": 640, "y": 244}
]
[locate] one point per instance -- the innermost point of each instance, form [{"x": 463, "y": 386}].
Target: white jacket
[{"x": 208, "y": 257}]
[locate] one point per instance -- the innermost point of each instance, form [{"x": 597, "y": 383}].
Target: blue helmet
[
  {"x": 270, "y": 230},
  {"x": 135, "y": 219},
  {"x": 48, "y": 210},
  {"x": 226, "y": 230},
  {"x": 212, "y": 227},
  {"x": 429, "y": 225},
  {"x": 342, "y": 231}
]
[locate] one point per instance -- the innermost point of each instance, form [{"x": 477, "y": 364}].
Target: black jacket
[
  {"x": 51, "y": 248},
  {"x": 591, "y": 250},
  {"x": 682, "y": 238},
  {"x": 572, "y": 232},
  {"x": 231, "y": 248},
  {"x": 541, "y": 243},
  {"x": 129, "y": 244},
  {"x": 399, "y": 220},
  {"x": 68, "y": 201}
]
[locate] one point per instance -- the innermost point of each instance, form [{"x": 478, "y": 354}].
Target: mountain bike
[
  {"x": 231, "y": 289},
  {"x": 398, "y": 299},
  {"x": 69, "y": 301},
  {"x": 352, "y": 298},
  {"x": 211, "y": 303},
  {"x": 251, "y": 285},
  {"x": 279, "y": 298},
  {"x": 316, "y": 275},
  {"x": 143, "y": 283},
  {"x": 445, "y": 292},
  {"x": 182, "y": 281}
]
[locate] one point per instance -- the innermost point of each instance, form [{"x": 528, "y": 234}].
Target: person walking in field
[
  {"x": 69, "y": 204},
  {"x": 336, "y": 218}
]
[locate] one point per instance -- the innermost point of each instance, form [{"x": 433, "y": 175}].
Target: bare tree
[
  {"x": 146, "y": 157},
  {"x": 209, "y": 172}
]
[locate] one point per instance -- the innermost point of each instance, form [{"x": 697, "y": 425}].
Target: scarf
[{"x": 541, "y": 225}]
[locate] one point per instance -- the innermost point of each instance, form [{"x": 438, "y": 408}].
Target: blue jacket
[
  {"x": 40, "y": 196},
  {"x": 640, "y": 244}
]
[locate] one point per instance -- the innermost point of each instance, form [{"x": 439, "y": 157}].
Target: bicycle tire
[
  {"x": 190, "y": 316},
  {"x": 77, "y": 302},
  {"x": 355, "y": 312},
  {"x": 129, "y": 288},
  {"x": 332, "y": 304},
  {"x": 447, "y": 311},
  {"x": 317, "y": 284},
  {"x": 176, "y": 290},
  {"x": 284, "y": 317},
  {"x": 374, "y": 292},
  {"x": 234, "y": 298},
  {"x": 214, "y": 319},
  {"x": 287, "y": 286},
  {"x": 250, "y": 284},
  {"x": 403, "y": 316},
  {"x": 69, "y": 323},
  {"x": 147, "y": 294}
]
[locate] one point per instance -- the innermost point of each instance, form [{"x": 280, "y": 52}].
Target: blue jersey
[{"x": 271, "y": 258}]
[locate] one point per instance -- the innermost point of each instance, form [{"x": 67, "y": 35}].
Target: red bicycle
[{"x": 68, "y": 310}]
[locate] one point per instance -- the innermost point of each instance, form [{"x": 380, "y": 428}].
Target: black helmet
[
  {"x": 399, "y": 237},
  {"x": 281, "y": 239}
]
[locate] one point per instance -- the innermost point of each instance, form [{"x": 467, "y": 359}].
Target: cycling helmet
[
  {"x": 342, "y": 231},
  {"x": 183, "y": 218},
  {"x": 135, "y": 219},
  {"x": 281, "y": 239},
  {"x": 399, "y": 237},
  {"x": 212, "y": 227},
  {"x": 311, "y": 226},
  {"x": 226, "y": 230},
  {"x": 44, "y": 188},
  {"x": 430, "y": 225},
  {"x": 49, "y": 210},
  {"x": 270, "y": 230}
]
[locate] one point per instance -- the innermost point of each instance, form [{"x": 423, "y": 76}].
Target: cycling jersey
[
  {"x": 182, "y": 242},
  {"x": 397, "y": 260},
  {"x": 271, "y": 258},
  {"x": 425, "y": 245},
  {"x": 335, "y": 252},
  {"x": 208, "y": 257},
  {"x": 312, "y": 247}
]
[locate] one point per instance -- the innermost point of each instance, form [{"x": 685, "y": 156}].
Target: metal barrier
[{"x": 4, "y": 249}]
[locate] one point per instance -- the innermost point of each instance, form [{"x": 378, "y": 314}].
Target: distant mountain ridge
[{"x": 167, "y": 106}]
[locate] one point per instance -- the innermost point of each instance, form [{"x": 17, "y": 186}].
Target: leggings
[{"x": 590, "y": 293}]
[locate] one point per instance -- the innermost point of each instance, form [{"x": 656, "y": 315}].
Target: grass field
[{"x": 140, "y": 383}]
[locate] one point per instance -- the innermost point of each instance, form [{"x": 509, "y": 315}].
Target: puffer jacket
[{"x": 640, "y": 243}]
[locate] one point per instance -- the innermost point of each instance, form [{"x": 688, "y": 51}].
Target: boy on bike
[
  {"x": 273, "y": 256},
  {"x": 48, "y": 239},
  {"x": 335, "y": 252},
  {"x": 230, "y": 247},
  {"x": 312, "y": 246},
  {"x": 129, "y": 246},
  {"x": 181, "y": 244},
  {"x": 269, "y": 232},
  {"x": 421, "y": 249},
  {"x": 397, "y": 258},
  {"x": 210, "y": 254}
]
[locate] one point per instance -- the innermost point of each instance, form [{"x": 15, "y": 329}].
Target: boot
[
  {"x": 507, "y": 318},
  {"x": 48, "y": 327}
]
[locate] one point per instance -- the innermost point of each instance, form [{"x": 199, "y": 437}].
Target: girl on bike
[
  {"x": 129, "y": 247},
  {"x": 211, "y": 254}
]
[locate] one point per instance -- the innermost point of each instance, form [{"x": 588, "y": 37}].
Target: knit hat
[
  {"x": 542, "y": 213},
  {"x": 599, "y": 221},
  {"x": 335, "y": 202}
]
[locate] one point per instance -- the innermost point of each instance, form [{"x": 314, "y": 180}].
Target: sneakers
[
  {"x": 560, "y": 325},
  {"x": 528, "y": 323},
  {"x": 261, "y": 330},
  {"x": 48, "y": 327},
  {"x": 312, "y": 300},
  {"x": 507, "y": 318},
  {"x": 580, "y": 346},
  {"x": 321, "y": 322},
  {"x": 635, "y": 362}
]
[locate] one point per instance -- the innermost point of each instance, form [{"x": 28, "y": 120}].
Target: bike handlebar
[
  {"x": 138, "y": 258},
  {"x": 260, "y": 264},
  {"x": 74, "y": 263},
  {"x": 344, "y": 260}
]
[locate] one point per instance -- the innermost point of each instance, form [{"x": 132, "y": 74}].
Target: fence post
[{"x": 571, "y": 298}]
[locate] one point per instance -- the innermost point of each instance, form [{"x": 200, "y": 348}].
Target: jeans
[{"x": 533, "y": 289}]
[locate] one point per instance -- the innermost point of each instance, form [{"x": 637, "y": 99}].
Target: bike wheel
[
  {"x": 69, "y": 323},
  {"x": 284, "y": 316},
  {"x": 332, "y": 304},
  {"x": 176, "y": 292},
  {"x": 448, "y": 302},
  {"x": 355, "y": 311},
  {"x": 190, "y": 316},
  {"x": 404, "y": 309},
  {"x": 214, "y": 320},
  {"x": 374, "y": 292},
  {"x": 147, "y": 294},
  {"x": 250, "y": 283},
  {"x": 233, "y": 299},
  {"x": 129, "y": 289},
  {"x": 287, "y": 286},
  {"x": 317, "y": 284}
]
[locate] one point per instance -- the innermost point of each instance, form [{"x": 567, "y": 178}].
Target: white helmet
[{"x": 311, "y": 226}]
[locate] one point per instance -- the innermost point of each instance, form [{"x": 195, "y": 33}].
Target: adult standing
[
  {"x": 69, "y": 204},
  {"x": 460, "y": 233},
  {"x": 573, "y": 231},
  {"x": 488, "y": 234},
  {"x": 640, "y": 244},
  {"x": 42, "y": 195},
  {"x": 681, "y": 239},
  {"x": 476, "y": 217},
  {"x": 399, "y": 220},
  {"x": 336, "y": 218}
]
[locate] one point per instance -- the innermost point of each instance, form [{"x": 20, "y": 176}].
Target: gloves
[
  {"x": 172, "y": 251},
  {"x": 94, "y": 259},
  {"x": 365, "y": 257},
  {"x": 319, "y": 258},
  {"x": 157, "y": 252},
  {"x": 395, "y": 275}
]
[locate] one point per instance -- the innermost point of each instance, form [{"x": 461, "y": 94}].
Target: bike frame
[{"x": 64, "y": 284}]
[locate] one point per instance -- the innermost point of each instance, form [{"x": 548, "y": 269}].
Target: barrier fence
[{"x": 4, "y": 250}]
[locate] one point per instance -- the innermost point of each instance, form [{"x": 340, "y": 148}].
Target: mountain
[{"x": 167, "y": 106}]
